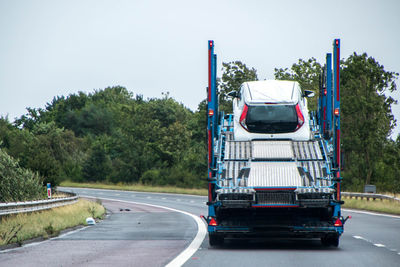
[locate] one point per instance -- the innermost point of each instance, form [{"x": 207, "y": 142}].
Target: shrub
[{"x": 16, "y": 183}]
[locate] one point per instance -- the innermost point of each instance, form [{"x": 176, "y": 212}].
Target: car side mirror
[
  {"x": 308, "y": 93},
  {"x": 233, "y": 94}
]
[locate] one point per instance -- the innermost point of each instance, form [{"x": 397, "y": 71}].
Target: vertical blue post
[
  {"x": 214, "y": 91},
  {"x": 320, "y": 108},
  {"x": 48, "y": 190},
  {"x": 322, "y": 98},
  {"x": 336, "y": 111},
  {"x": 328, "y": 93},
  {"x": 212, "y": 116}
]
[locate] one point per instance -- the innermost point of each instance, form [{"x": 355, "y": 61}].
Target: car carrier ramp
[{"x": 274, "y": 164}]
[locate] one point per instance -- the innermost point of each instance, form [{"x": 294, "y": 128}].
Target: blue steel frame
[
  {"x": 329, "y": 92},
  {"x": 329, "y": 102},
  {"x": 336, "y": 116},
  {"x": 212, "y": 122}
]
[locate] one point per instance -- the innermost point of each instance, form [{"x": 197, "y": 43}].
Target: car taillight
[
  {"x": 338, "y": 223},
  {"x": 213, "y": 222},
  {"x": 300, "y": 117},
  {"x": 242, "y": 119}
]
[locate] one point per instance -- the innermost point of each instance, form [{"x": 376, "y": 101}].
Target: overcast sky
[{"x": 50, "y": 48}]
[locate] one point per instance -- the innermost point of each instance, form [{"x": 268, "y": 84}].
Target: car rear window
[{"x": 271, "y": 119}]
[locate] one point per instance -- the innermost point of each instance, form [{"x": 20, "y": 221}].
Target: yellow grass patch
[
  {"x": 385, "y": 206},
  {"x": 47, "y": 223},
  {"x": 139, "y": 187}
]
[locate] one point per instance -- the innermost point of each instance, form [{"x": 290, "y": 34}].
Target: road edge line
[
  {"x": 193, "y": 246},
  {"x": 372, "y": 213}
]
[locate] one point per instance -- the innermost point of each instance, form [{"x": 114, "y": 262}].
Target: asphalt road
[{"x": 369, "y": 240}]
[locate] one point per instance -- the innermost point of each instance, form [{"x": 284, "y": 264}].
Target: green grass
[
  {"x": 47, "y": 223},
  {"x": 385, "y": 206},
  {"x": 139, "y": 187}
]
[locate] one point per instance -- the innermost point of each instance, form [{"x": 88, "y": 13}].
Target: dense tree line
[
  {"x": 370, "y": 155},
  {"x": 110, "y": 136},
  {"x": 113, "y": 136}
]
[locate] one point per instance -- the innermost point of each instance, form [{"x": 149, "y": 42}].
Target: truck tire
[
  {"x": 215, "y": 240},
  {"x": 330, "y": 240}
]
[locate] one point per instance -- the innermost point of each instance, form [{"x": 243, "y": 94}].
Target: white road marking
[
  {"x": 45, "y": 241},
  {"x": 113, "y": 190},
  {"x": 193, "y": 247},
  {"x": 178, "y": 200},
  {"x": 191, "y": 201},
  {"x": 373, "y": 213},
  {"x": 149, "y": 197},
  {"x": 375, "y": 244},
  {"x": 117, "y": 194},
  {"x": 164, "y": 198}
]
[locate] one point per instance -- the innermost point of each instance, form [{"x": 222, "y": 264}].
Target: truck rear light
[
  {"x": 336, "y": 112},
  {"x": 213, "y": 222},
  {"x": 300, "y": 117},
  {"x": 338, "y": 222},
  {"x": 242, "y": 119}
]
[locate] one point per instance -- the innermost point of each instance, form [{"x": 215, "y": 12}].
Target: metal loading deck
[{"x": 274, "y": 164}]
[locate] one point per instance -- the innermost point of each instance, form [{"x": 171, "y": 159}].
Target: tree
[
  {"x": 233, "y": 75},
  {"x": 307, "y": 74},
  {"x": 98, "y": 165},
  {"x": 367, "y": 119}
]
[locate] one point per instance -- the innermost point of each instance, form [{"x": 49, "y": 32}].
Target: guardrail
[
  {"x": 30, "y": 206},
  {"x": 369, "y": 196}
]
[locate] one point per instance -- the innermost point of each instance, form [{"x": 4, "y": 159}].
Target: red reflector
[
  {"x": 337, "y": 42},
  {"x": 338, "y": 223},
  {"x": 336, "y": 112},
  {"x": 325, "y": 92},
  {"x": 213, "y": 222},
  {"x": 242, "y": 119},
  {"x": 210, "y": 112},
  {"x": 300, "y": 117}
]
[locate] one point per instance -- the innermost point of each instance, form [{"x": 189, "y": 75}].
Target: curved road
[{"x": 146, "y": 235}]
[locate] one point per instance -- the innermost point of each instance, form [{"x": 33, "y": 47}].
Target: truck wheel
[
  {"x": 215, "y": 240},
  {"x": 330, "y": 241},
  {"x": 334, "y": 241},
  {"x": 325, "y": 241}
]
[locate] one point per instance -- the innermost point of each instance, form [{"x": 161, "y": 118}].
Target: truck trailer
[{"x": 273, "y": 167}]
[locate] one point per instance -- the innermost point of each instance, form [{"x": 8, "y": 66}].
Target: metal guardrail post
[
  {"x": 30, "y": 206},
  {"x": 369, "y": 195}
]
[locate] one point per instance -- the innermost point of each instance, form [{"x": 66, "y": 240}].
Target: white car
[{"x": 271, "y": 109}]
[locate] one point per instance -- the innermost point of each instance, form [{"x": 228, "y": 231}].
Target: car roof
[{"x": 271, "y": 91}]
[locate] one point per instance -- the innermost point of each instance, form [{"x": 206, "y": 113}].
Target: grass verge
[
  {"x": 47, "y": 223},
  {"x": 139, "y": 187},
  {"x": 385, "y": 206}
]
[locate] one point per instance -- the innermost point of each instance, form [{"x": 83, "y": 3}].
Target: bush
[
  {"x": 16, "y": 183},
  {"x": 151, "y": 177}
]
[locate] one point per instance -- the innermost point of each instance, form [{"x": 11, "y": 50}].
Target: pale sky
[{"x": 50, "y": 48}]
